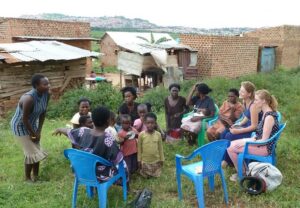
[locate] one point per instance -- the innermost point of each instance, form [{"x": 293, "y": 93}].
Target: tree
[{"x": 152, "y": 40}]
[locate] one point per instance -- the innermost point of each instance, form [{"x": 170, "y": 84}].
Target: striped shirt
[{"x": 39, "y": 107}]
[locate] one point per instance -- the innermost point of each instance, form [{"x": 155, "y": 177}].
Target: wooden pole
[
  {"x": 120, "y": 79},
  {"x": 140, "y": 83}
]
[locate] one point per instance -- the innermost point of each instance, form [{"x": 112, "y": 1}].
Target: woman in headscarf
[{"x": 204, "y": 107}]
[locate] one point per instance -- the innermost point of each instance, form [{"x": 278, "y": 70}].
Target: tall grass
[{"x": 55, "y": 187}]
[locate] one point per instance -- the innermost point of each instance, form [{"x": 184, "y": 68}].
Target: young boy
[
  {"x": 86, "y": 121},
  {"x": 139, "y": 124},
  {"x": 150, "y": 149},
  {"x": 84, "y": 109},
  {"x": 128, "y": 142}
]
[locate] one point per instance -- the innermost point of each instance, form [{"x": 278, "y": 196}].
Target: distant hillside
[
  {"x": 121, "y": 23},
  {"x": 98, "y": 22}
]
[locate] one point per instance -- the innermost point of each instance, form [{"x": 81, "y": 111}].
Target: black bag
[
  {"x": 142, "y": 200},
  {"x": 253, "y": 185}
]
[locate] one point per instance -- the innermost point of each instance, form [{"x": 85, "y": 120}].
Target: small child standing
[
  {"x": 150, "y": 149},
  {"x": 128, "y": 143},
  {"x": 111, "y": 128},
  {"x": 139, "y": 124}
]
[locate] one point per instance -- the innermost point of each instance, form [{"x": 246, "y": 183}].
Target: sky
[{"x": 190, "y": 13}]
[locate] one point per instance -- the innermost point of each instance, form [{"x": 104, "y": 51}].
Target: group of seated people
[
  {"x": 135, "y": 135},
  {"x": 257, "y": 113},
  {"x": 132, "y": 135}
]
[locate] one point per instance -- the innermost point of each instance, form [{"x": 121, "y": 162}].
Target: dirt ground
[{"x": 114, "y": 78}]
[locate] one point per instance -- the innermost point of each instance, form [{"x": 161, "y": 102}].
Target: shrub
[
  {"x": 276, "y": 82},
  {"x": 104, "y": 94},
  {"x": 155, "y": 97},
  {"x": 220, "y": 88}
]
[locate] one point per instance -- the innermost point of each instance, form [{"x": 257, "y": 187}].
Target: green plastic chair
[{"x": 202, "y": 132}]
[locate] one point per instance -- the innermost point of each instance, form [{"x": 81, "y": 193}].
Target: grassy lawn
[{"x": 55, "y": 187}]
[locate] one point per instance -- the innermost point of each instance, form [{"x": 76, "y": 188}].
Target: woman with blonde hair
[
  {"x": 266, "y": 128},
  {"x": 252, "y": 115}
]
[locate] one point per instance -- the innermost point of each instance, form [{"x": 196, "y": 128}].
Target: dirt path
[{"x": 114, "y": 78}]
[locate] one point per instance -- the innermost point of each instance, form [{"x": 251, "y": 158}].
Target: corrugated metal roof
[
  {"x": 121, "y": 38},
  {"x": 51, "y": 38},
  {"x": 44, "y": 51},
  {"x": 130, "y": 41},
  {"x": 8, "y": 58}
]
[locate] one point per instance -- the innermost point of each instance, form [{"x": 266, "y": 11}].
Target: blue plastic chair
[
  {"x": 84, "y": 166},
  {"x": 212, "y": 156},
  {"x": 247, "y": 157}
]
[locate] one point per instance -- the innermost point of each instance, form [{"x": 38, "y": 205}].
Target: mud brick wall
[
  {"x": 225, "y": 56},
  {"x": 47, "y": 28},
  {"x": 110, "y": 50},
  {"x": 287, "y": 40}
]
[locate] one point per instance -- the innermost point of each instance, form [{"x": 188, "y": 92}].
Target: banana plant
[{"x": 152, "y": 40}]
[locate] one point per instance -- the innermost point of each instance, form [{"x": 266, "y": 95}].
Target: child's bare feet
[
  {"x": 234, "y": 177},
  {"x": 28, "y": 180},
  {"x": 224, "y": 164},
  {"x": 35, "y": 178}
]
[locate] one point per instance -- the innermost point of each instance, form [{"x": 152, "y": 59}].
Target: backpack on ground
[
  {"x": 142, "y": 200},
  {"x": 261, "y": 177}
]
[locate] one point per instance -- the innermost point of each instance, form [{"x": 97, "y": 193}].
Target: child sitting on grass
[
  {"x": 150, "y": 149},
  {"x": 128, "y": 143}
]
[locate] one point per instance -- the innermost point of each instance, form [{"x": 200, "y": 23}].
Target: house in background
[
  {"x": 13, "y": 30},
  {"x": 63, "y": 64},
  {"x": 143, "y": 55},
  {"x": 283, "y": 42},
  {"x": 223, "y": 56}
]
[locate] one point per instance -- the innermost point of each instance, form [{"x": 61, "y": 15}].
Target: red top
[{"x": 128, "y": 146}]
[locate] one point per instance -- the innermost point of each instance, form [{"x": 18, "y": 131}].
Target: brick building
[
  {"x": 142, "y": 54},
  {"x": 225, "y": 56},
  {"x": 63, "y": 64},
  {"x": 72, "y": 33},
  {"x": 18, "y": 29},
  {"x": 113, "y": 42},
  {"x": 287, "y": 40}
]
